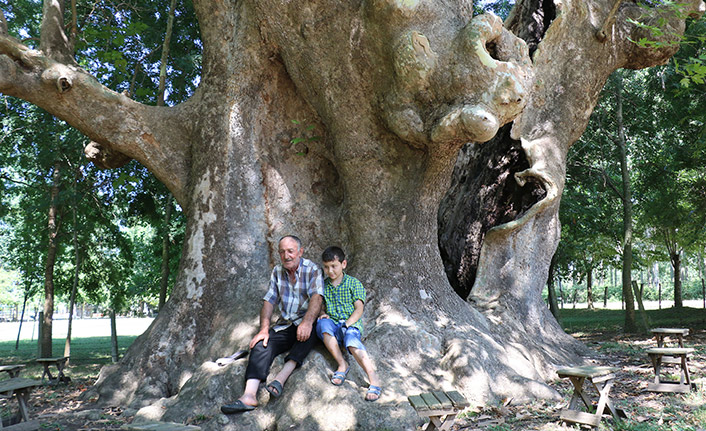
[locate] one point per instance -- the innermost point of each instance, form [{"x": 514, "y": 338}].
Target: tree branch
[
  {"x": 3, "y": 24},
  {"x": 157, "y": 137},
  {"x": 670, "y": 22},
  {"x": 52, "y": 40}
]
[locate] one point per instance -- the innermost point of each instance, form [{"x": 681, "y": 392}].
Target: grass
[
  {"x": 600, "y": 320},
  {"x": 88, "y": 355}
]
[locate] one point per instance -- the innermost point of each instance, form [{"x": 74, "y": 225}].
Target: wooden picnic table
[
  {"x": 60, "y": 363},
  {"x": 12, "y": 370},
  {"x": 440, "y": 407},
  {"x": 662, "y": 333},
  {"x": 601, "y": 378},
  {"x": 19, "y": 389},
  {"x": 659, "y": 357}
]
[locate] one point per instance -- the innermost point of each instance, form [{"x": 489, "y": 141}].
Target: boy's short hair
[{"x": 333, "y": 252}]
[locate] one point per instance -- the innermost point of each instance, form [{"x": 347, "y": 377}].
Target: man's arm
[
  {"x": 304, "y": 329},
  {"x": 265, "y": 318}
]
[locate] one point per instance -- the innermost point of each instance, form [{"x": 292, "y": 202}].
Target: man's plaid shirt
[
  {"x": 293, "y": 300},
  {"x": 340, "y": 299}
]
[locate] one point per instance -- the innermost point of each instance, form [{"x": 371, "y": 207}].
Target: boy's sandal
[
  {"x": 274, "y": 388},
  {"x": 340, "y": 376},
  {"x": 373, "y": 390}
]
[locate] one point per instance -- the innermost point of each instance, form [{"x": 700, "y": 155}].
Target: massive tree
[{"x": 342, "y": 122}]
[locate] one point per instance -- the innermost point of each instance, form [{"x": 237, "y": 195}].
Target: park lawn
[
  {"x": 608, "y": 320},
  {"x": 88, "y": 355}
]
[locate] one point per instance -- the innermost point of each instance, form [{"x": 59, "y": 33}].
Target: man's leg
[
  {"x": 297, "y": 354},
  {"x": 259, "y": 363}
]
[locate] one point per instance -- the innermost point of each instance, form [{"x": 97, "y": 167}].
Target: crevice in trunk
[
  {"x": 530, "y": 20},
  {"x": 483, "y": 194}
]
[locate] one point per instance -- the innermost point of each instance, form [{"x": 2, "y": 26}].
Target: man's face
[{"x": 289, "y": 254}]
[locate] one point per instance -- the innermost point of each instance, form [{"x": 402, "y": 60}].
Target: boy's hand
[
  {"x": 260, "y": 336},
  {"x": 324, "y": 316}
]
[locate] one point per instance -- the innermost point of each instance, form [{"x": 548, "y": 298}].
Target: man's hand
[
  {"x": 260, "y": 336},
  {"x": 303, "y": 331}
]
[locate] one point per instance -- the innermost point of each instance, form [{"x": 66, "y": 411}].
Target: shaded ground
[{"x": 59, "y": 407}]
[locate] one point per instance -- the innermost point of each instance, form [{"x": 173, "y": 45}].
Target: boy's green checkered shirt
[{"x": 340, "y": 299}]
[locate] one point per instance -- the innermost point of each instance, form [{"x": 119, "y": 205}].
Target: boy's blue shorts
[{"x": 351, "y": 337}]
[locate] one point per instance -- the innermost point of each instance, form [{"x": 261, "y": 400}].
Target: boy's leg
[
  {"x": 362, "y": 357},
  {"x": 355, "y": 346},
  {"x": 327, "y": 330}
]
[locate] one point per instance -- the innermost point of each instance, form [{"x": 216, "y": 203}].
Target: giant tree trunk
[{"x": 394, "y": 90}]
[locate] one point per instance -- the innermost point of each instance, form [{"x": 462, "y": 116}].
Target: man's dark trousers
[{"x": 261, "y": 357}]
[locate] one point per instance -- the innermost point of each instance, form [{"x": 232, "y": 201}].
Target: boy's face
[{"x": 334, "y": 269}]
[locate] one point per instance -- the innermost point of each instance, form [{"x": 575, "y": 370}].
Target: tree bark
[{"x": 393, "y": 91}]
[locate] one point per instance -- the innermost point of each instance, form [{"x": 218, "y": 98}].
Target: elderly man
[{"x": 296, "y": 288}]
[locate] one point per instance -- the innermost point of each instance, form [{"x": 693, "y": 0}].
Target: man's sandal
[
  {"x": 236, "y": 407},
  {"x": 373, "y": 390},
  {"x": 274, "y": 388}
]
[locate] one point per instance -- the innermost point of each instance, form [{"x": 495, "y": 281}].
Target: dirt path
[{"x": 59, "y": 407}]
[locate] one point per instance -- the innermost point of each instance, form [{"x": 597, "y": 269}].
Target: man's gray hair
[{"x": 298, "y": 241}]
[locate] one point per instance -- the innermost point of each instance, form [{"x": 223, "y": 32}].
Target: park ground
[{"x": 62, "y": 408}]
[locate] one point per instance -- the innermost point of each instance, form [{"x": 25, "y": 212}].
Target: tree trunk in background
[
  {"x": 409, "y": 100},
  {"x": 74, "y": 287},
  {"x": 589, "y": 289},
  {"x": 114, "y": 352},
  {"x": 551, "y": 291},
  {"x": 164, "y": 273},
  {"x": 630, "y": 324},
  {"x": 166, "y": 241},
  {"x": 45, "y": 342},
  {"x": 22, "y": 317},
  {"x": 643, "y": 314},
  {"x": 675, "y": 258}
]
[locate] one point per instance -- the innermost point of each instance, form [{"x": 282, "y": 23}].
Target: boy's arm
[{"x": 356, "y": 314}]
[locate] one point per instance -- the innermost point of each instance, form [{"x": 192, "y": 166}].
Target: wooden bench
[
  {"x": 60, "y": 363},
  {"x": 601, "y": 378},
  {"x": 441, "y": 407},
  {"x": 32, "y": 425},
  {"x": 12, "y": 370},
  {"x": 662, "y": 333},
  {"x": 159, "y": 426},
  {"x": 19, "y": 389},
  {"x": 659, "y": 356}
]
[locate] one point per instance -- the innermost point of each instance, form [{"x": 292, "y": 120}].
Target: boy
[{"x": 341, "y": 325}]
